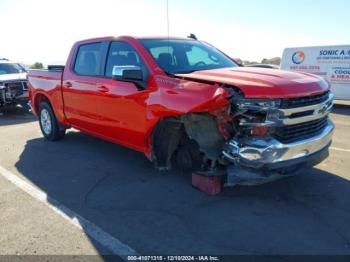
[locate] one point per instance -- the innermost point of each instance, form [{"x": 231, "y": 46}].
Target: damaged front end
[
  {"x": 14, "y": 92},
  {"x": 277, "y": 138},
  {"x": 249, "y": 141}
]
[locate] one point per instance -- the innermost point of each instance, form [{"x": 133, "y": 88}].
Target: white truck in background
[
  {"x": 329, "y": 62},
  {"x": 13, "y": 85}
]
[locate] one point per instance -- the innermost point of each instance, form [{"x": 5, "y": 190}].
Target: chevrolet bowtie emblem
[{"x": 323, "y": 109}]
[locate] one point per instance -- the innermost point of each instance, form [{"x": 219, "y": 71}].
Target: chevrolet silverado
[{"x": 183, "y": 102}]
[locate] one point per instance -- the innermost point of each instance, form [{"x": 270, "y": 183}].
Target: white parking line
[
  {"x": 112, "y": 244},
  {"x": 339, "y": 149}
]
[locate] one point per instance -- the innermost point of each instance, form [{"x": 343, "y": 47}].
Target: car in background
[
  {"x": 264, "y": 66},
  {"x": 13, "y": 84}
]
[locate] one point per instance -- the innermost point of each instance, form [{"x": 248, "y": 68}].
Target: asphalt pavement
[{"x": 153, "y": 212}]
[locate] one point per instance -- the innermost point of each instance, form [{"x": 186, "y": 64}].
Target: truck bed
[
  {"x": 48, "y": 83},
  {"x": 45, "y": 79}
]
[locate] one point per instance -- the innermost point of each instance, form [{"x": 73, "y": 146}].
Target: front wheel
[
  {"x": 188, "y": 156},
  {"x": 48, "y": 123}
]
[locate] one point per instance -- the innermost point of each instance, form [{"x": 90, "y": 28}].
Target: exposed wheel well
[
  {"x": 166, "y": 138},
  {"x": 200, "y": 128}
]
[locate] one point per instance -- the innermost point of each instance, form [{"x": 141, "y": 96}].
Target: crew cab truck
[{"x": 182, "y": 102}]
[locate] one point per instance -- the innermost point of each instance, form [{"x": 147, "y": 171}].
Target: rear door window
[{"x": 88, "y": 59}]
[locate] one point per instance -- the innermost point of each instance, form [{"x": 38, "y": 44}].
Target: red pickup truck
[{"x": 183, "y": 102}]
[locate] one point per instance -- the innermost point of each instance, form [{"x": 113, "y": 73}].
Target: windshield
[
  {"x": 186, "y": 56},
  {"x": 8, "y": 68}
]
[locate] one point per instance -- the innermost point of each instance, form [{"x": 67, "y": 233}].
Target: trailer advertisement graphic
[
  {"x": 340, "y": 75},
  {"x": 329, "y": 62},
  {"x": 298, "y": 57},
  {"x": 334, "y": 55}
]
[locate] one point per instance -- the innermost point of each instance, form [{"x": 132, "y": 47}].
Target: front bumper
[
  {"x": 270, "y": 154},
  {"x": 237, "y": 175}
]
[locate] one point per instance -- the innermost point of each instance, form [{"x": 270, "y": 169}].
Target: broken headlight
[
  {"x": 258, "y": 113},
  {"x": 258, "y": 104}
]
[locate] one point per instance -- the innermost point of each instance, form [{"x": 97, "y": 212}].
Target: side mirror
[{"x": 128, "y": 73}]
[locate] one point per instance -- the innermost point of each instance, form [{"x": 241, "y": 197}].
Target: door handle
[
  {"x": 68, "y": 84},
  {"x": 103, "y": 89}
]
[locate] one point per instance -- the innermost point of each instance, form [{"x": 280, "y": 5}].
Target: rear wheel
[{"x": 48, "y": 123}]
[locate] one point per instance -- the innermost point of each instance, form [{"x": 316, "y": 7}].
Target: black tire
[
  {"x": 188, "y": 157},
  {"x": 49, "y": 125}
]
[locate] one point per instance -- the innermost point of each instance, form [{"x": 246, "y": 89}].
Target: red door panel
[
  {"x": 80, "y": 102},
  {"x": 122, "y": 112}
]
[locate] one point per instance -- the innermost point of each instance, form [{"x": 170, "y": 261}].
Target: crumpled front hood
[
  {"x": 264, "y": 83},
  {"x": 12, "y": 77}
]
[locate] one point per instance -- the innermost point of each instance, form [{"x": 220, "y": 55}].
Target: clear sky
[{"x": 44, "y": 30}]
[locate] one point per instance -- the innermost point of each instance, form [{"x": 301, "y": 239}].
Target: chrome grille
[
  {"x": 304, "y": 101},
  {"x": 14, "y": 88},
  {"x": 293, "y": 133},
  {"x": 25, "y": 86}
]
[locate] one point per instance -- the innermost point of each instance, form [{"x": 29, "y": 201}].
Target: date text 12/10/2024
[{"x": 173, "y": 258}]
